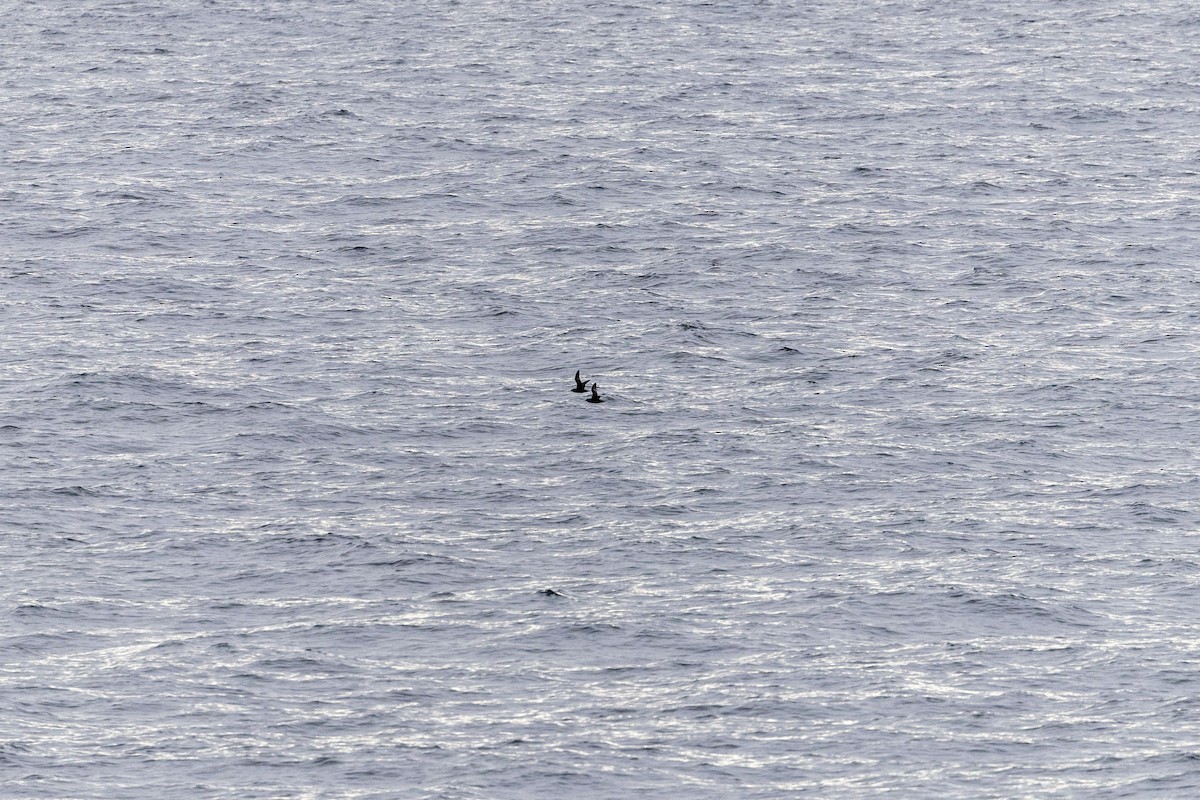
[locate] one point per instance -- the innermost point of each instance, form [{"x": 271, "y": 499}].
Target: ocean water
[{"x": 893, "y": 306}]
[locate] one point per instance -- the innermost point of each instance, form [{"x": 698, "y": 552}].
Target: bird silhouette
[
  {"x": 580, "y": 385},
  {"x": 595, "y": 398}
]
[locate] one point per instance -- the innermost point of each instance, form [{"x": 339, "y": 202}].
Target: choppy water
[{"x": 893, "y": 305}]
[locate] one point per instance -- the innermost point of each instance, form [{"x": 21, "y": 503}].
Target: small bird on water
[
  {"x": 580, "y": 385},
  {"x": 595, "y": 398}
]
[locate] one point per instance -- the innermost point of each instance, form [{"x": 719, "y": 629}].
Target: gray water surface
[{"x": 892, "y": 304}]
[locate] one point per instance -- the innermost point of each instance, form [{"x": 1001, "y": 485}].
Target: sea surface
[{"x": 894, "y": 309}]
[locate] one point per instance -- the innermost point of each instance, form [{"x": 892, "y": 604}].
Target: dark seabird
[
  {"x": 595, "y": 398},
  {"x": 580, "y": 386}
]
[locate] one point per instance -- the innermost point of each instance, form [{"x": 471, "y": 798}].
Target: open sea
[{"x": 894, "y": 310}]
